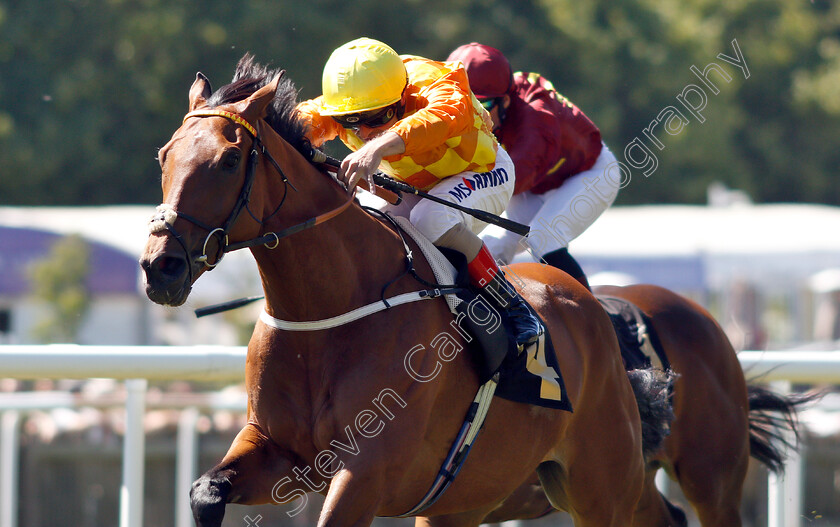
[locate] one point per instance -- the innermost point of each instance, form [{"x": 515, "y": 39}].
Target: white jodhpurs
[
  {"x": 558, "y": 216},
  {"x": 487, "y": 191}
]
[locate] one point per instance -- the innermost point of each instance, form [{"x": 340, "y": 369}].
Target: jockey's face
[
  {"x": 497, "y": 111},
  {"x": 368, "y": 125},
  {"x": 366, "y": 133}
]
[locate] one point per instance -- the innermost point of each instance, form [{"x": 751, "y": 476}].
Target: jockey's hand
[
  {"x": 361, "y": 164},
  {"x": 364, "y": 162}
]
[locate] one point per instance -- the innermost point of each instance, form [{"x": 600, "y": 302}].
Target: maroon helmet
[{"x": 489, "y": 71}]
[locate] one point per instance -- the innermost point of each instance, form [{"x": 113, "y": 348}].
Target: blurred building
[
  {"x": 120, "y": 313},
  {"x": 826, "y": 288},
  {"x": 751, "y": 265},
  {"x": 116, "y": 314}
]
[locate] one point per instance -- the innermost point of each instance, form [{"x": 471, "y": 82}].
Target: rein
[{"x": 165, "y": 215}]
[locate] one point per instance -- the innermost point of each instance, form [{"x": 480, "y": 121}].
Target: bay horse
[
  {"x": 720, "y": 421},
  {"x": 335, "y": 411}
]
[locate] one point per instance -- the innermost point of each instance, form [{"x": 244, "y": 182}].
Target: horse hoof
[{"x": 208, "y": 498}]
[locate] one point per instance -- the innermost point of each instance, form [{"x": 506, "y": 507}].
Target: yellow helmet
[{"x": 364, "y": 74}]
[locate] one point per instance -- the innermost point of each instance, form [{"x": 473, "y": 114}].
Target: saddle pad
[
  {"x": 532, "y": 377},
  {"x": 640, "y": 347},
  {"x": 444, "y": 271}
]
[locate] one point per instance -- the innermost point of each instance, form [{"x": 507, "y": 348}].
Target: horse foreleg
[
  {"x": 463, "y": 519},
  {"x": 709, "y": 448},
  {"x": 353, "y": 498},
  {"x": 527, "y": 502},
  {"x": 654, "y": 510},
  {"x": 716, "y": 497},
  {"x": 600, "y": 472},
  {"x": 248, "y": 474}
]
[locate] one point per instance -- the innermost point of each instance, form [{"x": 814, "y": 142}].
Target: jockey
[
  {"x": 417, "y": 120},
  {"x": 563, "y": 180}
]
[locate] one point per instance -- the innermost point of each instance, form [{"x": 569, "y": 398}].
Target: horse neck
[{"x": 329, "y": 269}]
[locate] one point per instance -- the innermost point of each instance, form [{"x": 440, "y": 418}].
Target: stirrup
[
  {"x": 526, "y": 347},
  {"x": 523, "y": 319},
  {"x": 522, "y": 346}
]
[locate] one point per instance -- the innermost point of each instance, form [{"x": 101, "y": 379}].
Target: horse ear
[
  {"x": 200, "y": 91},
  {"x": 253, "y": 108}
]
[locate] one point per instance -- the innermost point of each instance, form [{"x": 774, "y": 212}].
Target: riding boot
[
  {"x": 564, "y": 261},
  {"x": 486, "y": 276}
]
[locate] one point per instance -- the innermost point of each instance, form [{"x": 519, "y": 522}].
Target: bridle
[{"x": 166, "y": 214}]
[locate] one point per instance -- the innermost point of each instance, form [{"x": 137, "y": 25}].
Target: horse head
[{"x": 220, "y": 183}]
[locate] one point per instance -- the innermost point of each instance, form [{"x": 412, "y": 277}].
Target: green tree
[
  {"x": 87, "y": 98},
  {"x": 58, "y": 280}
]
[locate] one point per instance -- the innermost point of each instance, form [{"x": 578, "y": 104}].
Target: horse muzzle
[{"x": 167, "y": 279}]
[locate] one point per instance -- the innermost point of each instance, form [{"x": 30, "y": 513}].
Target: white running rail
[{"x": 138, "y": 364}]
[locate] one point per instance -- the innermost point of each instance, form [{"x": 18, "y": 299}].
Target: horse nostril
[{"x": 170, "y": 267}]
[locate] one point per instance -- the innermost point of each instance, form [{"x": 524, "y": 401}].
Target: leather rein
[{"x": 166, "y": 214}]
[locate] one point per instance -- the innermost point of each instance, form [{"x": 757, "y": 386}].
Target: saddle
[{"x": 531, "y": 377}]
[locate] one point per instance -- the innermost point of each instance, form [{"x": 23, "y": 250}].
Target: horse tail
[
  {"x": 773, "y": 416},
  {"x": 653, "y": 388}
]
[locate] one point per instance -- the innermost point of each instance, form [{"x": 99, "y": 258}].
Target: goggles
[
  {"x": 489, "y": 104},
  {"x": 371, "y": 119}
]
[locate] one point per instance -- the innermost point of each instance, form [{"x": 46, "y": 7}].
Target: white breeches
[
  {"x": 560, "y": 215},
  {"x": 487, "y": 191}
]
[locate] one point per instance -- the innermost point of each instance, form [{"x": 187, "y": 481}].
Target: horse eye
[{"x": 231, "y": 159}]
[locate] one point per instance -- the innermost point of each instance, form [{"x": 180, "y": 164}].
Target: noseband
[{"x": 166, "y": 215}]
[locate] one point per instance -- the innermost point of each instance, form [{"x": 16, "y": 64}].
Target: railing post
[
  {"x": 9, "y": 462},
  {"x": 793, "y": 489},
  {"x": 784, "y": 491},
  {"x": 133, "y": 463},
  {"x": 186, "y": 461}
]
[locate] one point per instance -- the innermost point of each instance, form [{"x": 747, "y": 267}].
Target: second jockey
[{"x": 564, "y": 176}]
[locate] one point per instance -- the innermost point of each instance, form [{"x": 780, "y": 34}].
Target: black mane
[{"x": 282, "y": 116}]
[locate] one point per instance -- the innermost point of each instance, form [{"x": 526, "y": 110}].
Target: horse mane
[{"x": 282, "y": 115}]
